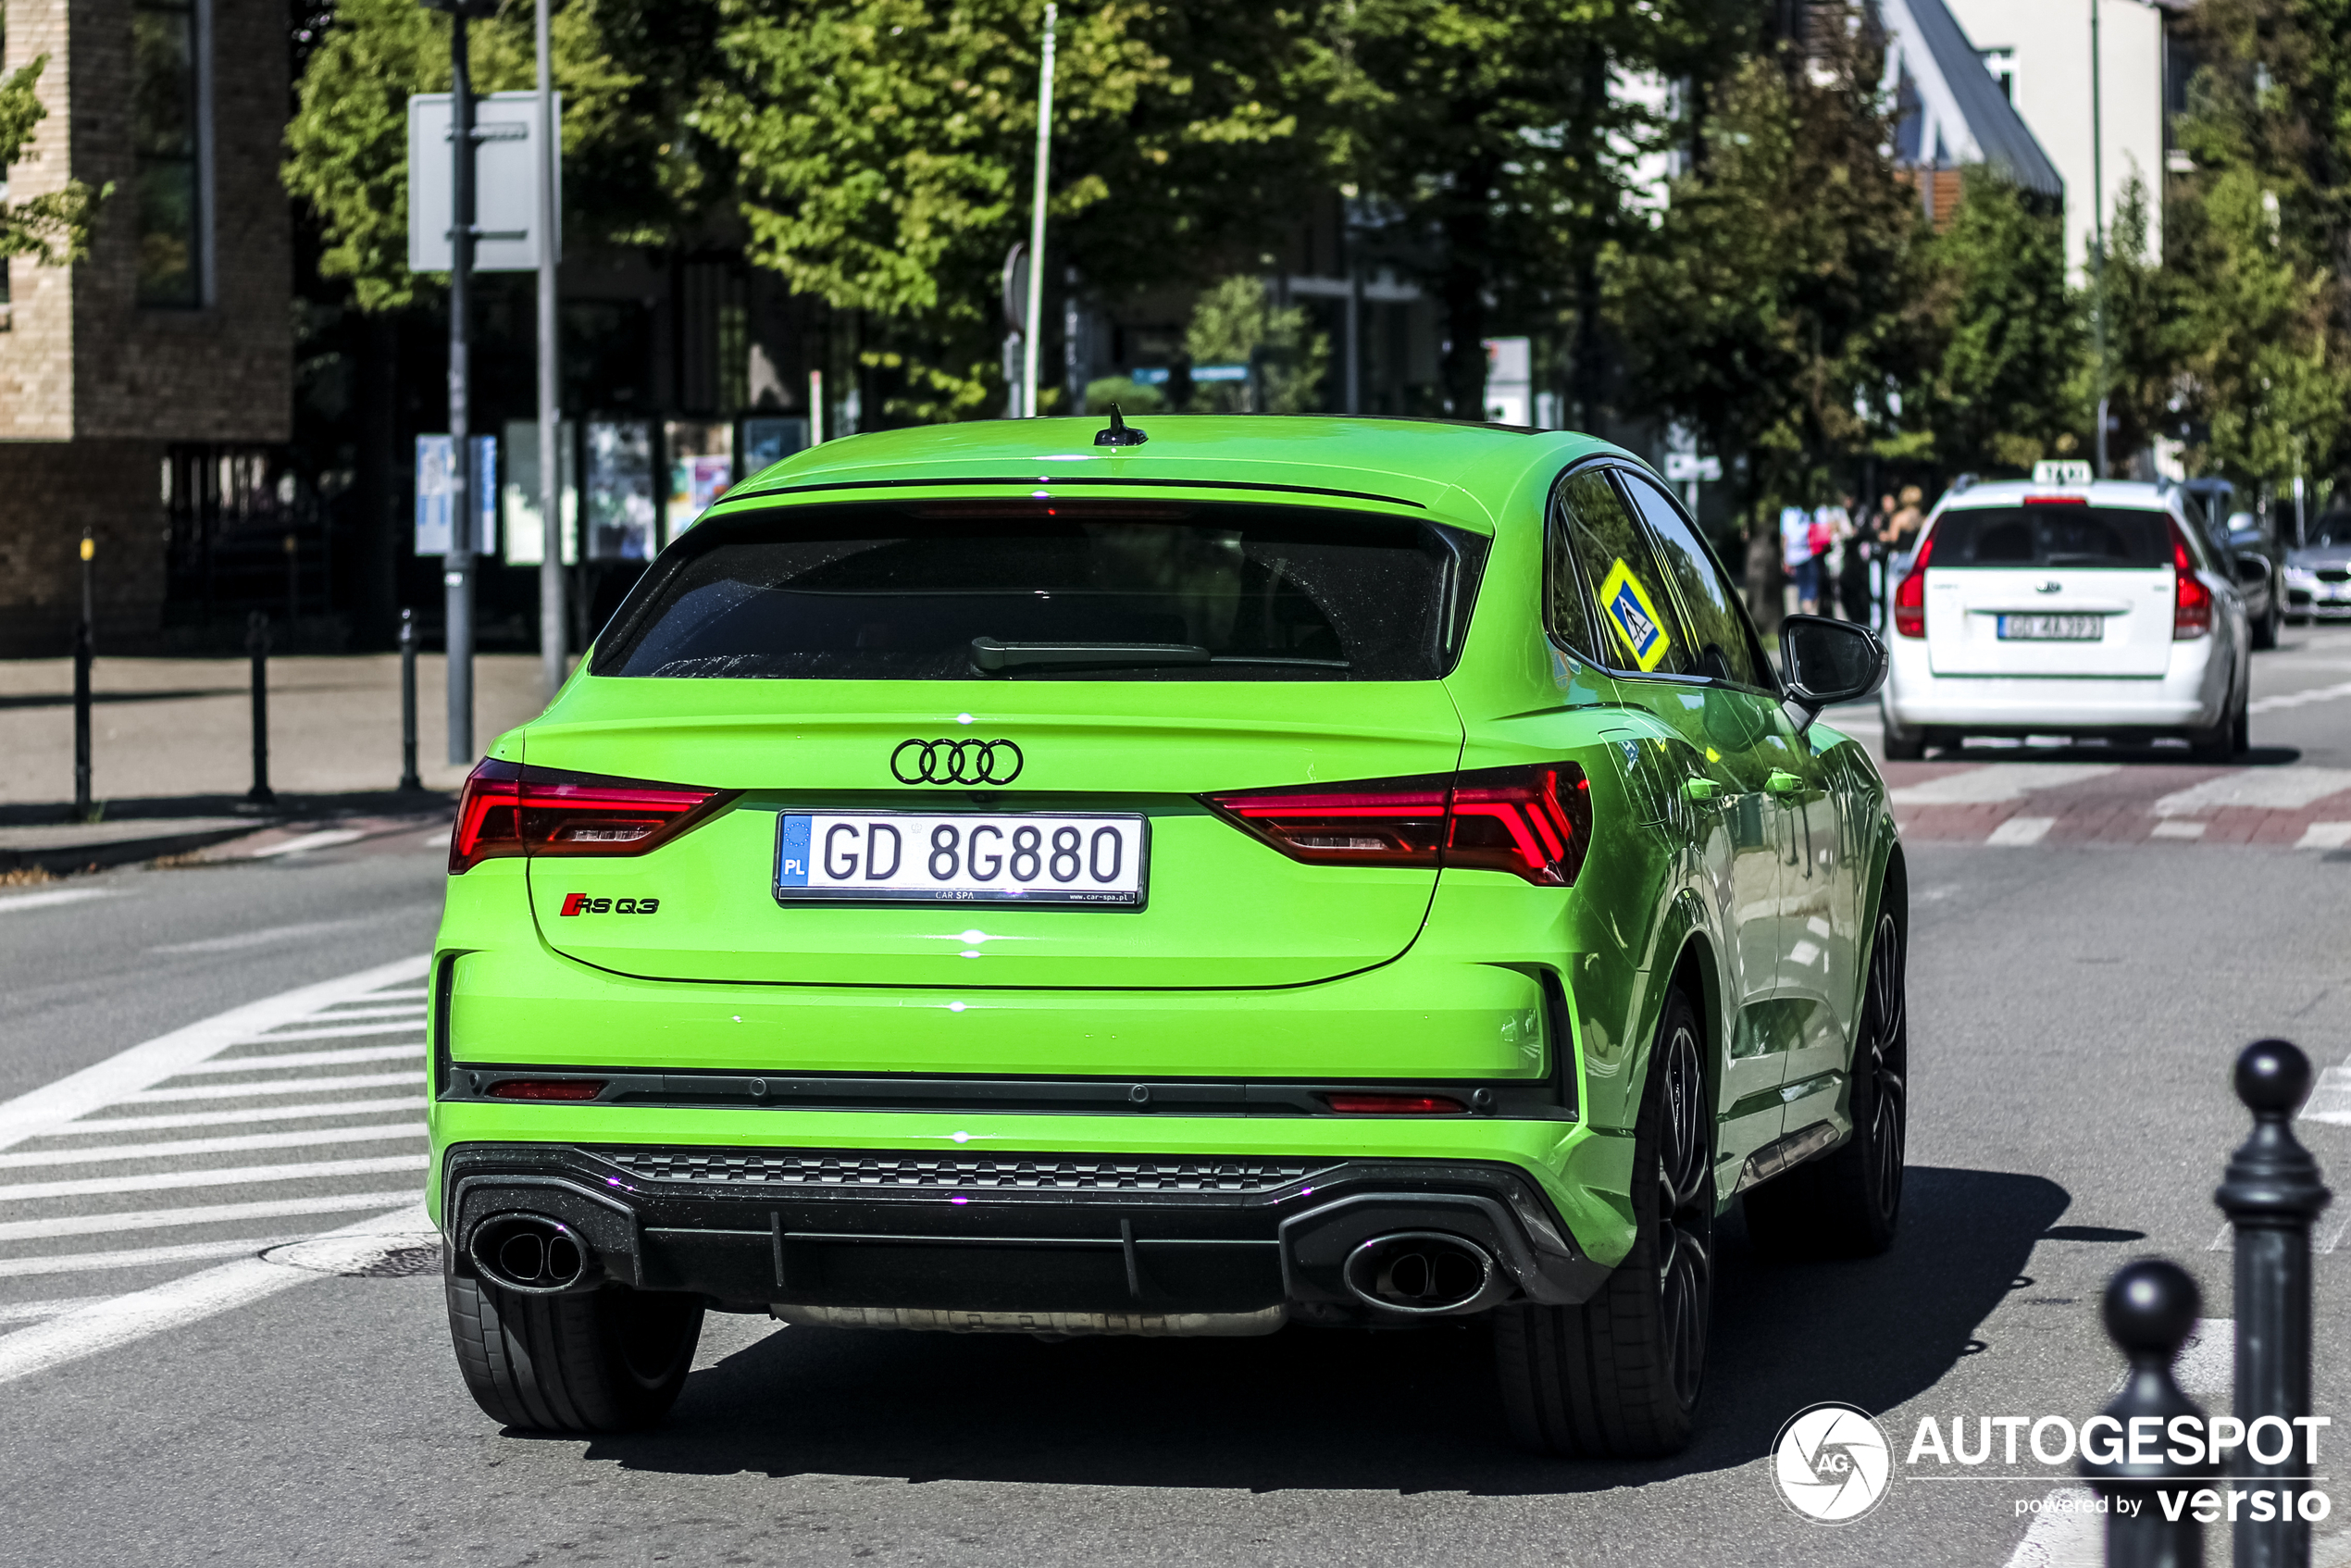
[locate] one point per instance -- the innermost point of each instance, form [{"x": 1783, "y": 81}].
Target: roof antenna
[{"x": 1120, "y": 433}]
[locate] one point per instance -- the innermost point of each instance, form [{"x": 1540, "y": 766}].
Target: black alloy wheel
[
  {"x": 1848, "y": 1202},
  {"x": 1684, "y": 1256}
]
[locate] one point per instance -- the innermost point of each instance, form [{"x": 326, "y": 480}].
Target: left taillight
[
  {"x": 2191, "y": 601},
  {"x": 1533, "y": 822},
  {"x": 507, "y": 809}
]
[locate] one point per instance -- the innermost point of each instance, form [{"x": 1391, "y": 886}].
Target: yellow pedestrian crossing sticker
[{"x": 1629, "y": 609}]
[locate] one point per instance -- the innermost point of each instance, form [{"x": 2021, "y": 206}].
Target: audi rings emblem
[{"x": 955, "y": 762}]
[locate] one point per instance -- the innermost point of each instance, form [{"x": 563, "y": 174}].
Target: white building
[{"x": 2039, "y": 52}]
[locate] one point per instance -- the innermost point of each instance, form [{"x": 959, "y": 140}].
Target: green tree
[
  {"x": 1234, "y": 323},
  {"x": 1493, "y": 132},
  {"x": 54, "y": 227},
  {"x": 2007, "y": 389},
  {"x": 884, "y": 155},
  {"x": 628, "y": 70},
  {"x": 1784, "y": 296},
  {"x": 2147, "y": 310}
]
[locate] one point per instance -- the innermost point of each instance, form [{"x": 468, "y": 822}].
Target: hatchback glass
[
  {"x": 1081, "y": 590},
  {"x": 2053, "y": 536}
]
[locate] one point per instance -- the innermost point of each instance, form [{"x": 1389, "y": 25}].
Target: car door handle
[
  {"x": 1784, "y": 783},
  {"x": 1699, "y": 791}
]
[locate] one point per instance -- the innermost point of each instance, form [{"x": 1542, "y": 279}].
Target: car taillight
[
  {"x": 1395, "y": 1104},
  {"x": 1533, "y": 822},
  {"x": 548, "y": 1088},
  {"x": 1909, "y": 599},
  {"x": 510, "y": 810},
  {"x": 2191, "y": 601}
]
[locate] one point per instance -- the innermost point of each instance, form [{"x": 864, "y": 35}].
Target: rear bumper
[
  {"x": 1203, "y": 1243},
  {"x": 2192, "y": 694}
]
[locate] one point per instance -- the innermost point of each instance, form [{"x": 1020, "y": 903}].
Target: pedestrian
[
  {"x": 1762, "y": 586},
  {"x": 1832, "y": 529},
  {"x": 1853, "y": 573},
  {"x": 1798, "y": 534}
]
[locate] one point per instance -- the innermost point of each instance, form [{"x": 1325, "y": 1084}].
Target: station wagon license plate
[
  {"x": 2052, "y": 629},
  {"x": 1037, "y": 859}
]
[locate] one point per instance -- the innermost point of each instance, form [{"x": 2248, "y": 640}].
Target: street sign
[
  {"x": 506, "y": 165},
  {"x": 437, "y": 489},
  {"x": 1683, "y": 466},
  {"x": 1220, "y": 373},
  {"x": 1017, "y": 288}
]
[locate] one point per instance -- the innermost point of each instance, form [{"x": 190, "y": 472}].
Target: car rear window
[
  {"x": 2053, "y": 536},
  {"x": 902, "y": 591}
]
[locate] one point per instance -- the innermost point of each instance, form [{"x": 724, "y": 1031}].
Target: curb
[{"x": 69, "y": 858}]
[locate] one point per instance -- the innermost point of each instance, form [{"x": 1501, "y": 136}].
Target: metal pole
[
  {"x": 84, "y": 651},
  {"x": 815, "y": 408},
  {"x": 458, "y": 575},
  {"x": 294, "y": 589},
  {"x": 257, "y": 644},
  {"x": 1037, "y": 217},
  {"x": 553, "y": 645},
  {"x": 2271, "y": 1193},
  {"x": 2150, "y": 1308},
  {"x": 2098, "y": 234},
  {"x": 408, "y": 778}
]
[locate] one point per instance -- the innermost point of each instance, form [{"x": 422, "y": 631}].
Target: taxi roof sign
[{"x": 2050, "y": 471}]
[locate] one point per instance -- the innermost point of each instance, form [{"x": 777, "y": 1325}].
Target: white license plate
[
  {"x": 1072, "y": 859},
  {"x": 2052, "y": 629}
]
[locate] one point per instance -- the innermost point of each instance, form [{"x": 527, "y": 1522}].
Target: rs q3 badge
[
  {"x": 581, "y": 904},
  {"x": 1630, "y": 612}
]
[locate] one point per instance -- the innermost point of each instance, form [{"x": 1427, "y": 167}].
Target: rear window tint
[
  {"x": 902, "y": 591},
  {"x": 2053, "y": 536}
]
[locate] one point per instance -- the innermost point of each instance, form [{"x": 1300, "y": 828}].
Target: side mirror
[
  {"x": 1824, "y": 661},
  {"x": 2252, "y": 571}
]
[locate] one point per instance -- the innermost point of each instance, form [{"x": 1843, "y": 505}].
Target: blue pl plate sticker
[{"x": 792, "y": 853}]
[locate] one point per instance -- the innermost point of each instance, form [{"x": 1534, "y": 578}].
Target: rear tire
[
  {"x": 2265, "y": 634},
  {"x": 1899, "y": 744},
  {"x": 612, "y": 1360},
  {"x": 1849, "y": 1202},
  {"x": 2226, "y": 739},
  {"x": 1619, "y": 1376}
]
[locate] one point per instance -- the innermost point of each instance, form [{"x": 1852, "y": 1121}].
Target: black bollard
[
  {"x": 2271, "y": 1193},
  {"x": 84, "y": 652},
  {"x": 2150, "y": 1309},
  {"x": 257, "y": 644},
  {"x": 408, "y": 778}
]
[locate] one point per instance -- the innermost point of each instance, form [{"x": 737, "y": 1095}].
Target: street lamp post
[
  {"x": 457, "y": 574},
  {"x": 554, "y": 642},
  {"x": 2098, "y": 234},
  {"x": 1036, "y": 313}
]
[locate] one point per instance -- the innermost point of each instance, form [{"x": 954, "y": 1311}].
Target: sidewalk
[{"x": 171, "y": 748}]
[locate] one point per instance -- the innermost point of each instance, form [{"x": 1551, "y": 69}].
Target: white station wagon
[{"x": 2067, "y": 606}]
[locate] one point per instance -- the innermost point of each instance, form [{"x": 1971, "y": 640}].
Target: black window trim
[{"x": 1613, "y": 468}]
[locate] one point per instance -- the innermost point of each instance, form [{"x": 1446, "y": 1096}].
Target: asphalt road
[{"x": 2075, "y": 1008}]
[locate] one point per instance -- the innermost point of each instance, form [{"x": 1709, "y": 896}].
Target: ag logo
[
  {"x": 1831, "y": 1463},
  {"x": 955, "y": 762}
]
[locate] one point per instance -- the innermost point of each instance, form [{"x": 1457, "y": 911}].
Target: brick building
[{"x": 148, "y": 370}]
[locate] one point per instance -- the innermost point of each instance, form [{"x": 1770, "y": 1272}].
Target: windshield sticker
[{"x": 1633, "y": 617}]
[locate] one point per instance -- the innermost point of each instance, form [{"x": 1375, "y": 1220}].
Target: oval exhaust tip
[
  {"x": 531, "y": 1254},
  {"x": 1419, "y": 1271}
]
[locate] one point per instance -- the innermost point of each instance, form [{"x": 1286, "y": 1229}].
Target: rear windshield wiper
[{"x": 989, "y": 654}]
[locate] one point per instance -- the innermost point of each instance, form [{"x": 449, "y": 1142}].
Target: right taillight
[
  {"x": 1535, "y": 823},
  {"x": 2191, "y": 601},
  {"x": 1909, "y": 599},
  {"x": 507, "y": 810}
]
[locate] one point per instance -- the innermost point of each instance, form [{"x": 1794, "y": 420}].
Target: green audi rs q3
[{"x": 1198, "y": 879}]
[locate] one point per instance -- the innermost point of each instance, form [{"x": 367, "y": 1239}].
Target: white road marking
[
  {"x": 106, "y": 1082},
  {"x": 347, "y": 1015},
  {"x": 2324, "y": 836},
  {"x": 417, "y": 995},
  {"x": 318, "y": 840},
  {"x": 2330, "y": 1097},
  {"x": 56, "y": 895},
  {"x": 2021, "y": 830},
  {"x": 90, "y": 1125},
  {"x": 2269, "y": 788},
  {"x": 2067, "y": 1532},
  {"x": 2298, "y": 698},
  {"x": 139, "y": 1257},
  {"x": 292, "y": 1086},
  {"x": 2178, "y": 830},
  {"x": 231, "y": 1176},
  {"x": 209, "y": 1214},
  {"x": 306, "y": 1059},
  {"x": 32, "y": 1312},
  {"x": 337, "y": 1031},
  {"x": 1999, "y": 782},
  {"x": 308, "y": 1137},
  {"x": 2207, "y": 1362},
  {"x": 238, "y": 942},
  {"x": 124, "y": 1319}
]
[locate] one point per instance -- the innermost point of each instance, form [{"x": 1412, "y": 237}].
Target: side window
[
  {"x": 1596, "y": 546},
  {"x": 1723, "y": 638}
]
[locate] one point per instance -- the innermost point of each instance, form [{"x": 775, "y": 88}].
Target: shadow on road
[{"x": 1394, "y": 1412}]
